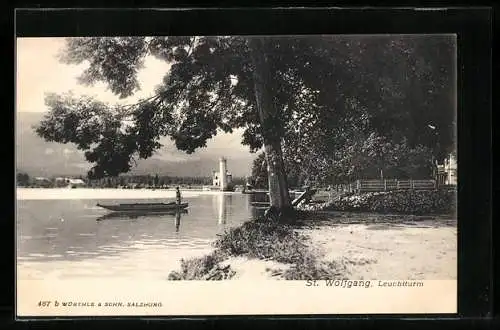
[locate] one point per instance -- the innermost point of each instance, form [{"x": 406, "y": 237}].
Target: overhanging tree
[
  {"x": 286, "y": 93},
  {"x": 214, "y": 83},
  {"x": 397, "y": 88}
]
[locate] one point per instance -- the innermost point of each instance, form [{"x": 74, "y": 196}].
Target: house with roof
[
  {"x": 69, "y": 182},
  {"x": 447, "y": 172},
  {"x": 40, "y": 181}
]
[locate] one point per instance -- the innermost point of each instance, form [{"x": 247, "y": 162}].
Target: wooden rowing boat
[{"x": 145, "y": 207}]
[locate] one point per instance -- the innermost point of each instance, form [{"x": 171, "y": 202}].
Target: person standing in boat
[{"x": 178, "y": 195}]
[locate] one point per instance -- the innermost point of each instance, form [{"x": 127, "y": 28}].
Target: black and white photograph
[{"x": 156, "y": 175}]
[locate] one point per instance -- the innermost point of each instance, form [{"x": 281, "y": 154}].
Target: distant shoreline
[{"x": 108, "y": 193}]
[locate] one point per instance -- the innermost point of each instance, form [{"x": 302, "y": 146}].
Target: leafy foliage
[
  {"x": 325, "y": 90},
  {"x": 259, "y": 171},
  {"x": 114, "y": 60},
  {"x": 108, "y": 141},
  {"x": 362, "y": 157},
  {"x": 262, "y": 240},
  {"x": 367, "y": 158},
  {"x": 203, "y": 268},
  {"x": 416, "y": 202},
  {"x": 295, "y": 173},
  {"x": 22, "y": 179}
]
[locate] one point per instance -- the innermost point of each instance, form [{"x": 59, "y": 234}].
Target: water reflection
[
  {"x": 258, "y": 212},
  {"x": 50, "y": 230},
  {"x": 223, "y": 206},
  {"x": 259, "y": 203},
  {"x": 259, "y": 197},
  {"x": 178, "y": 220},
  {"x": 135, "y": 215},
  {"x": 225, "y": 202}
]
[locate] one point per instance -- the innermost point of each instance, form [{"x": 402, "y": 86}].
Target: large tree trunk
[{"x": 269, "y": 120}]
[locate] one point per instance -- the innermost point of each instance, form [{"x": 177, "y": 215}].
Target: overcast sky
[{"x": 40, "y": 72}]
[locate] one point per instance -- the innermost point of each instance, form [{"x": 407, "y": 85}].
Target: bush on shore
[
  {"x": 263, "y": 240},
  {"x": 203, "y": 268},
  {"x": 416, "y": 202}
]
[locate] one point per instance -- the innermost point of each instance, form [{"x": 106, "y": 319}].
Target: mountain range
[{"x": 40, "y": 158}]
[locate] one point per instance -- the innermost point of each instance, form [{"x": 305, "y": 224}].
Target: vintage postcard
[{"x": 236, "y": 175}]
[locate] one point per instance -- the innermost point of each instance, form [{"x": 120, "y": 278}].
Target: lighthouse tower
[{"x": 223, "y": 173}]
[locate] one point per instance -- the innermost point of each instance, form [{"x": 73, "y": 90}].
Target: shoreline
[
  {"x": 403, "y": 202},
  {"x": 354, "y": 251},
  {"x": 327, "y": 241},
  {"x": 108, "y": 193}
]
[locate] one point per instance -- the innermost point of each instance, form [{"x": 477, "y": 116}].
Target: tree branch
[
  {"x": 126, "y": 106},
  {"x": 191, "y": 46}
]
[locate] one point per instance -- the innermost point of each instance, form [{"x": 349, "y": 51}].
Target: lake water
[{"x": 63, "y": 237}]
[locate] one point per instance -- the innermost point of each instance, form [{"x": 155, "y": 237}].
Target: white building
[
  {"x": 222, "y": 181},
  {"x": 73, "y": 183},
  {"x": 69, "y": 182},
  {"x": 447, "y": 172},
  {"x": 450, "y": 167},
  {"x": 42, "y": 182}
]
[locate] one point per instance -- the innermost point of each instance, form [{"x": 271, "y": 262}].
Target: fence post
[
  {"x": 397, "y": 184},
  {"x": 412, "y": 186},
  {"x": 385, "y": 185},
  {"x": 358, "y": 186}
]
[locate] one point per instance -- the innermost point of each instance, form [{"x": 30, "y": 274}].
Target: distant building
[
  {"x": 248, "y": 184},
  {"x": 223, "y": 178},
  {"x": 73, "y": 183},
  {"x": 69, "y": 182},
  {"x": 447, "y": 172},
  {"x": 42, "y": 182},
  {"x": 60, "y": 182}
]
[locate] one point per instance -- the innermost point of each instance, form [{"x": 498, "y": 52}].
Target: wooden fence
[{"x": 360, "y": 186}]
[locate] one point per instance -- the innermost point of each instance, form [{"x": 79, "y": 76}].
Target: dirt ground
[{"x": 407, "y": 250}]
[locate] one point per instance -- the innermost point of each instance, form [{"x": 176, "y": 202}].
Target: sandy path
[{"x": 423, "y": 252}]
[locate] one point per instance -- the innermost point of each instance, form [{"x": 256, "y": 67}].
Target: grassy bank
[
  {"x": 264, "y": 241},
  {"x": 418, "y": 202}
]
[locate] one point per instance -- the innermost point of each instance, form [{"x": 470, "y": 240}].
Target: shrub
[
  {"x": 263, "y": 240},
  {"x": 309, "y": 268},
  {"x": 203, "y": 268},
  {"x": 406, "y": 202}
]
